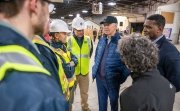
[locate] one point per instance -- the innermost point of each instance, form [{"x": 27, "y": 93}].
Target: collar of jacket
[
  {"x": 59, "y": 45},
  {"x": 56, "y": 44},
  {"x": 44, "y": 39},
  {"x": 136, "y": 76},
  {"x": 9, "y": 36},
  {"x": 160, "y": 41},
  {"x": 78, "y": 38},
  {"x": 115, "y": 38}
]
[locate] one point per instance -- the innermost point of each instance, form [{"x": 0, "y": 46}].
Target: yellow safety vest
[
  {"x": 67, "y": 57},
  {"x": 83, "y": 54},
  {"x": 62, "y": 77},
  {"x": 15, "y": 57}
]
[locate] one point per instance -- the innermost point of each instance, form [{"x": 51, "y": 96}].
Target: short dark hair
[
  {"x": 11, "y": 8},
  {"x": 159, "y": 19}
]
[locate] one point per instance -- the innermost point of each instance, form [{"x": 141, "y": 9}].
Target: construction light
[
  {"x": 70, "y": 15},
  {"x": 111, "y": 3},
  {"x": 84, "y": 11}
]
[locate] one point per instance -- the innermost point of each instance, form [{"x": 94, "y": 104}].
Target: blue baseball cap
[{"x": 109, "y": 20}]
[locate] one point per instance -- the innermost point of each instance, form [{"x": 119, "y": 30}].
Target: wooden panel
[{"x": 169, "y": 16}]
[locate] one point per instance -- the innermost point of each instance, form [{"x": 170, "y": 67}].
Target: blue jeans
[{"x": 104, "y": 92}]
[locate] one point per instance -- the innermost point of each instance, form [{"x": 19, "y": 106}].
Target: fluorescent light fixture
[
  {"x": 71, "y": 15},
  {"x": 111, "y": 3},
  {"x": 114, "y": 13},
  {"x": 84, "y": 11},
  {"x": 78, "y": 15},
  {"x": 62, "y": 17}
]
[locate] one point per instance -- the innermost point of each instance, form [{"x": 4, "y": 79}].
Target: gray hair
[{"x": 138, "y": 53}]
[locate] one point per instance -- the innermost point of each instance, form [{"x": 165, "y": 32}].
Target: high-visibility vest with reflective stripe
[
  {"x": 67, "y": 57},
  {"x": 83, "y": 54},
  {"x": 62, "y": 77},
  {"x": 15, "y": 57}
]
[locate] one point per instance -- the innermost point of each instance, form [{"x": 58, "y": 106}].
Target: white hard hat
[
  {"x": 51, "y": 8},
  {"x": 78, "y": 23},
  {"x": 58, "y": 25}
]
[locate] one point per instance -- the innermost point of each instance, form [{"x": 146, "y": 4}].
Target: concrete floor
[{"x": 93, "y": 99}]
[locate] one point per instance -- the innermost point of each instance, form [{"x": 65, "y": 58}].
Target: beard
[
  {"x": 39, "y": 29},
  {"x": 43, "y": 20}
]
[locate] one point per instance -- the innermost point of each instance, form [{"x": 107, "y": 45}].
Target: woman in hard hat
[{"x": 58, "y": 31}]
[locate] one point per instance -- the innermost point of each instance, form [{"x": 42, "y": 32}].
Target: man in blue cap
[{"x": 108, "y": 69}]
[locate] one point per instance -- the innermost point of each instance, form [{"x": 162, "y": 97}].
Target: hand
[{"x": 72, "y": 63}]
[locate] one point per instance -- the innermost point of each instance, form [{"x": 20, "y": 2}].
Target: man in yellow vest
[
  {"x": 24, "y": 84},
  {"x": 81, "y": 46},
  {"x": 58, "y": 32}
]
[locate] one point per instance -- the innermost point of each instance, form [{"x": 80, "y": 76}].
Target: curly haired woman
[{"x": 149, "y": 90}]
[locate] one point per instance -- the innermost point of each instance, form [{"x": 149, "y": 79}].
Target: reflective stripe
[
  {"x": 14, "y": 57},
  {"x": 20, "y": 50},
  {"x": 20, "y": 67},
  {"x": 82, "y": 56}
]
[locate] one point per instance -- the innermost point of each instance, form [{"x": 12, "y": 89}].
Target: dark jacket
[
  {"x": 23, "y": 91},
  {"x": 169, "y": 62},
  {"x": 115, "y": 70},
  {"x": 69, "y": 70},
  {"x": 149, "y": 92},
  {"x": 49, "y": 60}
]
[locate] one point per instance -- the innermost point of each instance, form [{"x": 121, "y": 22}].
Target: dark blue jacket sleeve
[
  {"x": 68, "y": 69},
  {"x": 74, "y": 59},
  {"x": 125, "y": 72},
  {"x": 91, "y": 50},
  {"x": 31, "y": 92},
  {"x": 172, "y": 68}
]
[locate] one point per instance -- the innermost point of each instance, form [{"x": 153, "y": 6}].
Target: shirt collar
[{"x": 155, "y": 41}]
